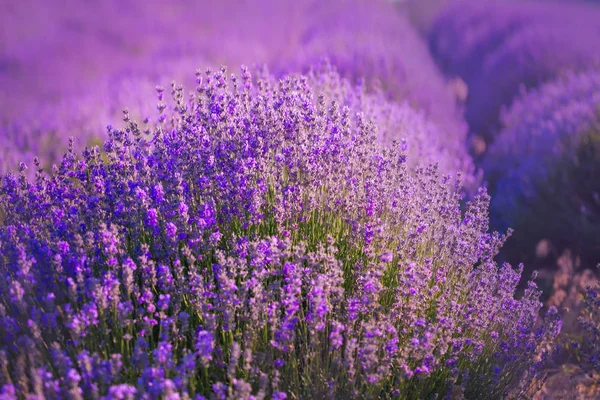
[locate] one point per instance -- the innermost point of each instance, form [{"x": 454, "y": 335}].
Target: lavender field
[{"x": 299, "y": 199}]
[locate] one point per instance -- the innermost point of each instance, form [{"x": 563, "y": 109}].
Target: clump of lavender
[
  {"x": 423, "y": 141},
  {"x": 496, "y": 47},
  {"x": 590, "y": 346},
  {"x": 544, "y": 165},
  {"x": 371, "y": 41},
  {"x": 256, "y": 241}
]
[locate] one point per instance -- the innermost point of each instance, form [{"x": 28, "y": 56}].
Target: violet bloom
[
  {"x": 589, "y": 322},
  {"x": 204, "y": 346}
]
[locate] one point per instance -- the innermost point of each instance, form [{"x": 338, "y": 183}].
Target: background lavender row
[
  {"x": 67, "y": 72},
  {"x": 371, "y": 41},
  {"x": 498, "y": 46},
  {"x": 544, "y": 167}
]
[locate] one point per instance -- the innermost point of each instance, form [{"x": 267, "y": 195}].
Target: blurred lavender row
[
  {"x": 544, "y": 167},
  {"x": 498, "y": 47},
  {"x": 530, "y": 68}
]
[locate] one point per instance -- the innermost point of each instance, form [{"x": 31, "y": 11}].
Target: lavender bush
[
  {"x": 256, "y": 242},
  {"x": 544, "y": 166},
  {"x": 498, "y": 46}
]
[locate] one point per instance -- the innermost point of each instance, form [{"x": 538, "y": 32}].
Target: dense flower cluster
[
  {"x": 256, "y": 242},
  {"x": 543, "y": 167},
  {"x": 424, "y": 141},
  {"x": 498, "y": 46},
  {"x": 368, "y": 40}
]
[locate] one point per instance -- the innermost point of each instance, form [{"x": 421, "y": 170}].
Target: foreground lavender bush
[
  {"x": 498, "y": 46},
  {"x": 256, "y": 241},
  {"x": 544, "y": 165}
]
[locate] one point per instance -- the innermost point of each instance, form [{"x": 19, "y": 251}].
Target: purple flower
[
  {"x": 163, "y": 354},
  {"x": 279, "y": 396},
  {"x": 122, "y": 392},
  {"x": 171, "y": 230},
  {"x": 152, "y": 217},
  {"x": 204, "y": 347}
]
